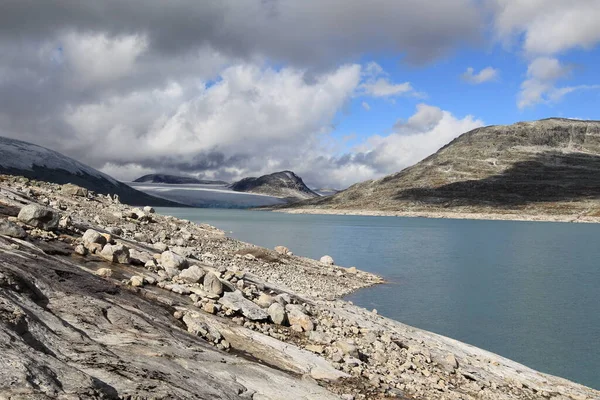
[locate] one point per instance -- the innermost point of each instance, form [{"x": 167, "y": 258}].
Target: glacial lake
[{"x": 529, "y": 291}]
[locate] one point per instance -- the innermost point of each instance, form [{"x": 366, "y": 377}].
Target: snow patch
[{"x": 24, "y": 156}]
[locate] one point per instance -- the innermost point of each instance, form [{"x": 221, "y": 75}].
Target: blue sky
[
  {"x": 339, "y": 91},
  {"x": 494, "y": 101}
]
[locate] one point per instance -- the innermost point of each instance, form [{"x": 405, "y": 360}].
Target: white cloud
[
  {"x": 366, "y": 106},
  {"x": 376, "y": 83},
  {"x": 539, "y": 87},
  {"x": 549, "y": 26},
  {"x": 429, "y": 129},
  {"x": 485, "y": 75},
  {"x": 97, "y": 58},
  {"x": 425, "y": 132},
  {"x": 252, "y": 120}
]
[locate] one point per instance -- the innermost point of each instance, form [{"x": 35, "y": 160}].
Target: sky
[{"x": 338, "y": 91}]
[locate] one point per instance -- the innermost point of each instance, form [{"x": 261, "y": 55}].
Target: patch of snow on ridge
[{"x": 22, "y": 155}]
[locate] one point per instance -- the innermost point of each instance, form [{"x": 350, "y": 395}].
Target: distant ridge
[
  {"x": 37, "y": 162},
  {"x": 284, "y": 184},
  {"x": 176, "y": 180},
  {"x": 551, "y": 166}
]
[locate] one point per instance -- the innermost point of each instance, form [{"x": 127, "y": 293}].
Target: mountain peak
[{"x": 285, "y": 184}]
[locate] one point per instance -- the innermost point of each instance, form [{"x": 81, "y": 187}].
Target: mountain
[
  {"x": 548, "y": 167},
  {"x": 176, "y": 180},
  {"x": 36, "y": 162},
  {"x": 284, "y": 184}
]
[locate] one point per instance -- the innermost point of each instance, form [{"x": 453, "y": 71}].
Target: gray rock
[
  {"x": 237, "y": 302},
  {"x": 140, "y": 237},
  {"x": 327, "y": 260},
  {"x": 168, "y": 259},
  {"x": 8, "y": 228},
  {"x": 348, "y": 348},
  {"x": 213, "y": 284},
  {"x": 192, "y": 274},
  {"x": 116, "y": 253},
  {"x": 264, "y": 300},
  {"x": 74, "y": 190},
  {"x": 162, "y": 247},
  {"x": 149, "y": 210},
  {"x": 39, "y": 217},
  {"x": 139, "y": 257},
  {"x": 91, "y": 236},
  {"x": 277, "y": 314},
  {"x": 283, "y": 299},
  {"x": 114, "y": 230}
]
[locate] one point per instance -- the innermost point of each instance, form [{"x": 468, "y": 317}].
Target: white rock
[
  {"x": 192, "y": 274},
  {"x": 327, "y": 260},
  {"x": 91, "y": 236},
  {"x": 277, "y": 314},
  {"x": 168, "y": 259}
]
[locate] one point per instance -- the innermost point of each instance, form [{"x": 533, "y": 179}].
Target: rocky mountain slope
[
  {"x": 36, "y": 162},
  {"x": 284, "y": 184},
  {"x": 176, "y": 180},
  {"x": 102, "y": 301},
  {"x": 544, "y": 168}
]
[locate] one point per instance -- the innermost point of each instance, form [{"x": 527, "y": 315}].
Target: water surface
[{"x": 526, "y": 290}]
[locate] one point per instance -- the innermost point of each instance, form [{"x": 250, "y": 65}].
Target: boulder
[
  {"x": 139, "y": 257},
  {"x": 160, "y": 246},
  {"x": 192, "y": 274},
  {"x": 141, "y": 237},
  {"x": 348, "y": 348},
  {"x": 136, "y": 281},
  {"x": 213, "y": 284},
  {"x": 91, "y": 236},
  {"x": 39, "y": 217},
  {"x": 81, "y": 250},
  {"x": 8, "y": 228},
  {"x": 116, "y": 253},
  {"x": 282, "y": 250},
  {"x": 264, "y": 300},
  {"x": 277, "y": 314},
  {"x": 237, "y": 302},
  {"x": 352, "y": 271},
  {"x": 327, "y": 260},
  {"x": 104, "y": 272},
  {"x": 149, "y": 210},
  {"x": 74, "y": 190},
  {"x": 296, "y": 316},
  {"x": 168, "y": 259},
  {"x": 114, "y": 230}
]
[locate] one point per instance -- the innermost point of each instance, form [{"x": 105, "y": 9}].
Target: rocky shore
[
  {"x": 99, "y": 300},
  {"x": 455, "y": 214}
]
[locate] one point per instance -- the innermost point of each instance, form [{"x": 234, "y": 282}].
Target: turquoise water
[{"x": 529, "y": 291}]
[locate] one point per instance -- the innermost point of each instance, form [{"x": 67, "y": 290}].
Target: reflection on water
[{"x": 529, "y": 291}]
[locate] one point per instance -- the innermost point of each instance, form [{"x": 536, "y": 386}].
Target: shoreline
[
  {"x": 441, "y": 215},
  {"x": 181, "y": 298}
]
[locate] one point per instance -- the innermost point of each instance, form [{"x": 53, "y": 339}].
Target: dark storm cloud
[{"x": 306, "y": 32}]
